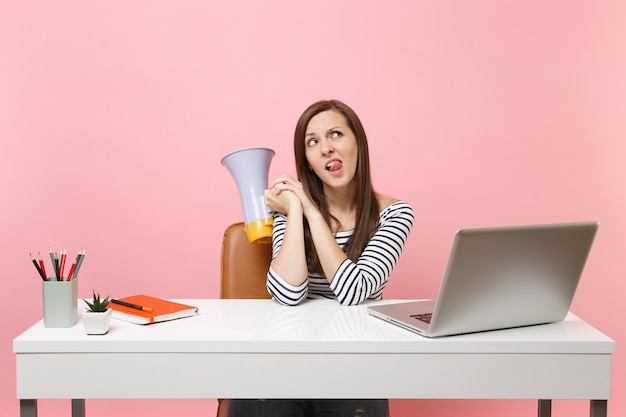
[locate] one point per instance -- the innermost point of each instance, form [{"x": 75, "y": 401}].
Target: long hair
[{"x": 367, "y": 210}]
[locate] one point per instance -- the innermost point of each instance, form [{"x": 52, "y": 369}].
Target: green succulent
[{"x": 98, "y": 305}]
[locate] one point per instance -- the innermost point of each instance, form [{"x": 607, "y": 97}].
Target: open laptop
[{"x": 499, "y": 278}]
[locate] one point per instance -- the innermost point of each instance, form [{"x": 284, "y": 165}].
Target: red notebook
[{"x": 162, "y": 310}]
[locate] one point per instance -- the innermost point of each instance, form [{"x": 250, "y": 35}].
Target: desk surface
[
  {"x": 230, "y": 325},
  {"x": 234, "y": 347}
]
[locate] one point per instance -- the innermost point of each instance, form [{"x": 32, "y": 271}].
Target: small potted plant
[{"x": 97, "y": 315}]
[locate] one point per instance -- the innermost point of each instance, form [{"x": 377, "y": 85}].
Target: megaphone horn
[{"x": 250, "y": 168}]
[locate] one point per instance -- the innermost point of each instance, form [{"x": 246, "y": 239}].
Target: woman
[{"x": 333, "y": 237}]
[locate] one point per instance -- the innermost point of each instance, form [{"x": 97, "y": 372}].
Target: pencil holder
[{"x": 59, "y": 302}]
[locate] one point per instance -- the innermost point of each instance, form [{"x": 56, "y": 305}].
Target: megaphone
[{"x": 250, "y": 167}]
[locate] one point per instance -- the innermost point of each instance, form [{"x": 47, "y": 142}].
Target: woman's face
[{"x": 331, "y": 149}]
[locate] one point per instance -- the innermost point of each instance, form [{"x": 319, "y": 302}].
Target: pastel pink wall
[{"x": 114, "y": 116}]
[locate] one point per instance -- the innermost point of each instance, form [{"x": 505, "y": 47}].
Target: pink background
[{"x": 114, "y": 116}]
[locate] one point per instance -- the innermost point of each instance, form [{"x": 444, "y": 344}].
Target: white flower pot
[{"x": 97, "y": 323}]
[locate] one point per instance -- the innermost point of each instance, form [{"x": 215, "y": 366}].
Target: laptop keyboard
[{"x": 425, "y": 317}]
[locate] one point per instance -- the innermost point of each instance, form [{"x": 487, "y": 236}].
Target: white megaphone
[{"x": 250, "y": 167}]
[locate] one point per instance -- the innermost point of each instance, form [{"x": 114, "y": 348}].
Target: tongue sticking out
[{"x": 334, "y": 166}]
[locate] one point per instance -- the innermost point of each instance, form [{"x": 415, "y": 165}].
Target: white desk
[{"x": 235, "y": 347}]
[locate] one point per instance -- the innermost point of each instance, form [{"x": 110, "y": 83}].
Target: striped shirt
[{"x": 354, "y": 281}]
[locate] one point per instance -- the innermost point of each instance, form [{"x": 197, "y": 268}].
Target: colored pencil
[
  {"x": 53, "y": 263},
  {"x": 69, "y": 275},
  {"x": 43, "y": 276},
  {"x": 43, "y": 268},
  {"x": 131, "y": 305},
  {"x": 63, "y": 254},
  {"x": 56, "y": 265},
  {"x": 79, "y": 261}
]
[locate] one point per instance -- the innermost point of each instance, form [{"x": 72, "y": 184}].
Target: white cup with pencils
[
  {"x": 60, "y": 291},
  {"x": 60, "y": 303}
]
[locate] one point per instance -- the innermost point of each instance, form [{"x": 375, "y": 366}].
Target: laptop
[{"x": 498, "y": 278}]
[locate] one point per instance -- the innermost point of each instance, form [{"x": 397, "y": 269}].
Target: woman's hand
[{"x": 285, "y": 194}]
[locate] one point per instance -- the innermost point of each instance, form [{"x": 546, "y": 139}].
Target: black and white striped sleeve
[
  {"x": 356, "y": 281},
  {"x": 279, "y": 289}
]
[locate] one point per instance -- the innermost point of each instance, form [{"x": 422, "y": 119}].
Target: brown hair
[{"x": 367, "y": 210}]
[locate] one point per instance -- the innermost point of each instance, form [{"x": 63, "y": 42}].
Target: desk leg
[
  {"x": 78, "y": 408},
  {"x": 28, "y": 408},
  {"x": 598, "y": 408},
  {"x": 545, "y": 408}
]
